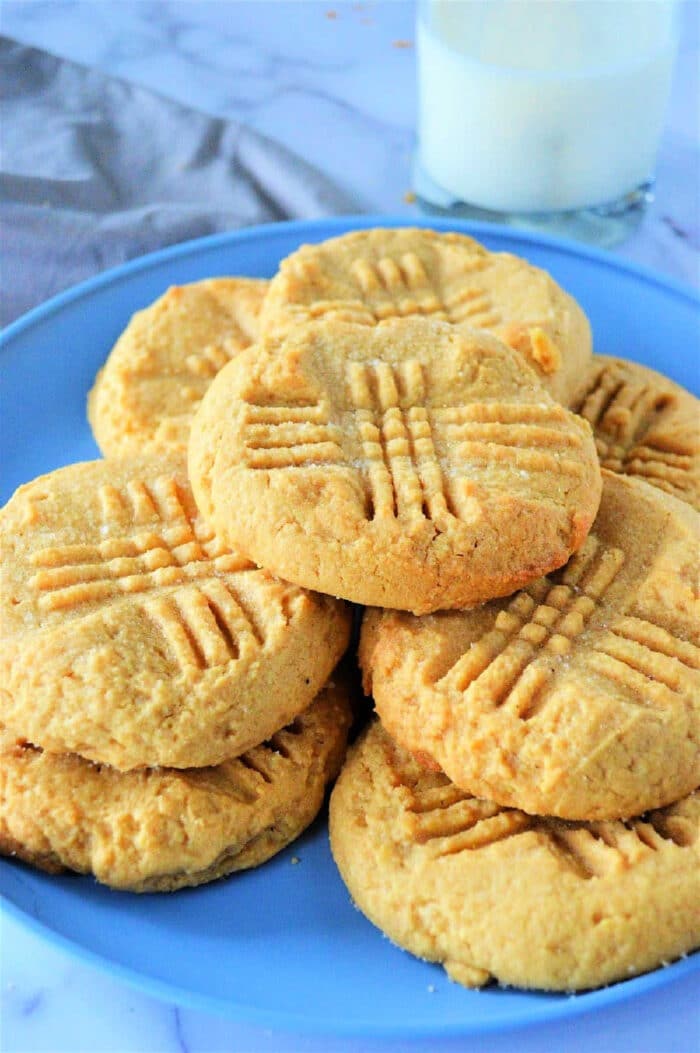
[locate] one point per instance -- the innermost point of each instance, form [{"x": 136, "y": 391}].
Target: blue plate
[{"x": 282, "y": 946}]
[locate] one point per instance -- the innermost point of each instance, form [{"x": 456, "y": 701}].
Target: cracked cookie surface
[
  {"x": 493, "y": 893},
  {"x": 579, "y": 696},
  {"x": 412, "y": 464}
]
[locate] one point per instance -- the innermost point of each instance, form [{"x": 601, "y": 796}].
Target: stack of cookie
[
  {"x": 418, "y": 428},
  {"x": 168, "y": 713}
]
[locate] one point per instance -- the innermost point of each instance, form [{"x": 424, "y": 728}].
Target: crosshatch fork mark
[
  {"x": 619, "y": 409},
  {"x": 467, "y": 824},
  {"x": 204, "y": 626},
  {"x": 599, "y": 849},
  {"x": 143, "y": 502},
  {"x": 647, "y": 660},
  {"x": 524, "y": 436},
  {"x": 543, "y": 619},
  {"x": 158, "y": 546},
  {"x": 290, "y": 436},
  {"x": 398, "y": 287},
  {"x": 246, "y": 778},
  {"x": 403, "y": 473},
  {"x": 270, "y": 758},
  {"x": 446, "y": 820},
  {"x": 207, "y": 361},
  {"x": 402, "y": 288},
  {"x": 254, "y": 774},
  {"x": 474, "y": 306},
  {"x": 624, "y": 415},
  {"x": 667, "y": 469}
]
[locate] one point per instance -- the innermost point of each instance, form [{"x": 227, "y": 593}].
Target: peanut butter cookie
[
  {"x": 152, "y": 382},
  {"x": 493, "y": 893},
  {"x": 644, "y": 425},
  {"x": 579, "y": 696},
  {"x": 156, "y": 830},
  {"x": 412, "y": 464},
  {"x": 132, "y": 636}
]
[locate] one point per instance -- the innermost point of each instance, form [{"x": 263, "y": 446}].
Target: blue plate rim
[
  {"x": 548, "y": 1010},
  {"x": 338, "y": 225}
]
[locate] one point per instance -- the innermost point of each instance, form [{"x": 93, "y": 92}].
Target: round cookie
[
  {"x": 644, "y": 425},
  {"x": 493, "y": 893},
  {"x": 579, "y": 696},
  {"x": 132, "y": 636},
  {"x": 371, "y": 275},
  {"x": 152, "y": 382},
  {"x": 156, "y": 830},
  {"x": 410, "y": 464}
]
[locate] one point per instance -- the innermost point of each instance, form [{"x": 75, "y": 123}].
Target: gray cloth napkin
[{"x": 95, "y": 171}]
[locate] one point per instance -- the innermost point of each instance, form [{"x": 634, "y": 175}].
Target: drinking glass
[{"x": 543, "y": 113}]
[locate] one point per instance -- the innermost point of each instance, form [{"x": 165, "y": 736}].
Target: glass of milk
[{"x": 543, "y": 113}]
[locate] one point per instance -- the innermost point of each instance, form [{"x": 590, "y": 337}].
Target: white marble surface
[
  {"x": 339, "y": 91},
  {"x": 335, "y": 83}
]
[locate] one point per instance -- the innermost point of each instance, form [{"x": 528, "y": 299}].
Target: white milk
[{"x": 542, "y": 105}]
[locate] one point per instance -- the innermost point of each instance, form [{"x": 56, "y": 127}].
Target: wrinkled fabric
[{"x": 95, "y": 171}]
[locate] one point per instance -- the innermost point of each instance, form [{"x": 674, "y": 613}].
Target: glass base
[{"x": 602, "y": 225}]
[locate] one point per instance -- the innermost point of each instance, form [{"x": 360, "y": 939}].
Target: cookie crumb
[
  {"x": 331, "y": 14},
  {"x": 402, "y": 44},
  {"x": 294, "y": 860},
  {"x": 409, "y": 197}
]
